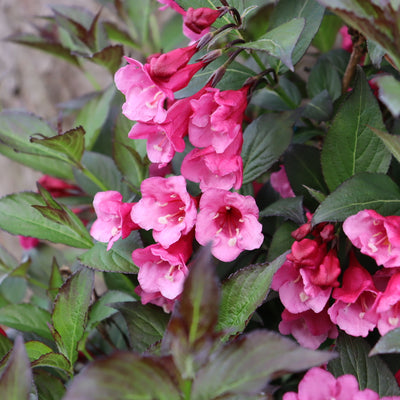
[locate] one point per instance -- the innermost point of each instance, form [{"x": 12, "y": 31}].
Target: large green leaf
[
  {"x": 280, "y": 41},
  {"x": 16, "y": 128},
  {"x": 117, "y": 259},
  {"x": 16, "y": 379},
  {"x": 265, "y": 139},
  {"x": 146, "y": 324},
  {"x": 70, "y": 312},
  {"x": 351, "y": 146},
  {"x": 26, "y": 318},
  {"x": 126, "y": 376},
  {"x": 245, "y": 366},
  {"x": 289, "y": 208},
  {"x": 371, "y": 372},
  {"x": 243, "y": 292},
  {"x": 363, "y": 191},
  {"x": 20, "y": 217}
]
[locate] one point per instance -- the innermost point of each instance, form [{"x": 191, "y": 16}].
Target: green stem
[
  {"x": 187, "y": 389},
  {"x": 285, "y": 97},
  {"x": 87, "y": 354},
  {"x": 93, "y": 178}
]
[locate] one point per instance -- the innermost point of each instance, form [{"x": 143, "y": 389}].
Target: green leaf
[
  {"x": 243, "y": 292},
  {"x": 104, "y": 169},
  {"x": 371, "y": 372},
  {"x": 118, "y": 34},
  {"x": 55, "y": 280},
  {"x": 146, "y": 324},
  {"x": 265, "y": 139},
  {"x": 191, "y": 331},
  {"x": 48, "y": 386},
  {"x": 103, "y": 308},
  {"x": 282, "y": 240},
  {"x": 310, "y": 10},
  {"x": 26, "y": 318},
  {"x": 68, "y": 147},
  {"x": 68, "y": 327},
  {"x": 35, "y": 349},
  {"x": 375, "y": 53},
  {"x": 389, "y": 93},
  {"x": 22, "y": 214},
  {"x": 303, "y": 168},
  {"x": 392, "y": 142},
  {"x": 320, "y": 107},
  {"x": 389, "y": 343},
  {"x": 289, "y": 208},
  {"x": 279, "y": 42},
  {"x": 16, "y": 379},
  {"x": 350, "y": 145},
  {"x": 363, "y": 191},
  {"x": 246, "y": 365},
  {"x": 55, "y": 49},
  {"x": 324, "y": 76},
  {"x": 327, "y": 33},
  {"x": 53, "y": 360},
  {"x": 16, "y": 128},
  {"x": 93, "y": 115},
  {"x": 126, "y": 375},
  {"x": 110, "y": 57},
  {"x": 5, "y": 346},
  {"x": 117, "y": 259}
]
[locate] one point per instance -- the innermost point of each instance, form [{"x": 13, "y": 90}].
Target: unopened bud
[
  {"x": 205, "y": 40},
  {"x": 211, "y": 56},
  {"x": 217, "y": 76}
]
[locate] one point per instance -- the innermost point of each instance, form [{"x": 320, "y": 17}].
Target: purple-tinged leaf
[
  {"x": 146, "y": 324},
  {"x": 126, "y": 376},
  {"x": 53, "y": 360},
  {"x": 371, "y": 372},
  {"x": 55, "y": 280},
  {"x": 350, "y": 146},
  {"x": 362, "y": 191},
  {"x": 16, "y": 378},
  {"x": 191, "y": 331},
  {"x": 243, "y": 292},
  {"x": 245, "y": 366},
  {"x": 67, "y": 147},
  {"x": 70, "y": 312},
  {"x": 110, "y": 57}
]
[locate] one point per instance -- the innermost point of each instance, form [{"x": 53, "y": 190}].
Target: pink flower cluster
[
  {"x": 344, "y": 387},
  {"x": 308, "y": 280},
  {"x": 212, "y": 120}
]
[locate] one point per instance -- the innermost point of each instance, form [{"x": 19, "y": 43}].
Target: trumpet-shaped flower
[{"x": 230, "y": 221}]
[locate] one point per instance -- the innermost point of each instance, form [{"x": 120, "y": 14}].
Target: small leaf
[
  {"x": 35, "y": 349},
  {"x": 392, "y": 142},
  {"x": 146, "y": 324},
  {"x": 362, "y": 191},
  {"x": 53, "y": 360},
  {"x": 280, "y": 41},
  {"x": 289, "y": 208},
  {"x": 389, "y": 93},
  {"x": 390, "y": 343},
  {"x": 117, "y": 259},
  {"x": 126, "y": 375},
  {"x": 375, "y": 52},
  {"x": 26, "y": 318},
  {"x": 5, "y": 346},
  {"x": 69, "y": 326},
  {"x": 265, "y": 139},
  {"x": 16, "y": 379},
  {"x": 69, "y": 146},
  {"x": 371, "y": 372},
  {"x": 110, "y": 57},
  {"x": 48, "y": 386},
  {"x": 245, "y": 366},
  {"x": 243, "y": 292}
]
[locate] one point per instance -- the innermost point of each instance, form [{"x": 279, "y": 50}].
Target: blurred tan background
[{"x": 34, "y": 81}]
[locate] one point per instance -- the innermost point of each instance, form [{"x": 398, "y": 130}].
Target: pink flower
[
  {"x": 155, "y": 298},
  {"x": 353, "y": 310},
  {"x": 388, "y": 306},
  {"x": 166, "y": 207},
  {"x": 213, "y": 170},
  {"x": 197, "y": 21},
  {"x": 280, "y": 183},
  {"x": 173, "y": 5},
  {"x": 319, "y": 384},
  {"x": 217, "y": 118},
  {"x": 347, "y": 42},
  {"x": 113, "y": 218},
  {"x": 58, "y": 187},
  {"x": 230, "y": 221},
  {"x": 310, "y": 329},
  {"x": 144, "y": 99},
  {"x": 28, "y": 242},
  {"x": 376, "y": 236},
  {"x": 161, "y": 270}
]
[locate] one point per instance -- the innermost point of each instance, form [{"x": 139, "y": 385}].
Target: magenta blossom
[
  {"x": 319, "y": 384},
  {"x": 197, "y": 21},
  {"x": 166, "y": 207},
  {"x": 217, "y": 118},
  {"x": 310, "y": 329},
  {"x": 230, "y": 221},
  {"x": 155, "y": 298},
  {"x": 113, "y": 218},
  {"x": 353, "y": 310},
  {"x": 213, "y": 170},
  {"x": 28, "y": 242},
  {"x": 376, "y": 236}
]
